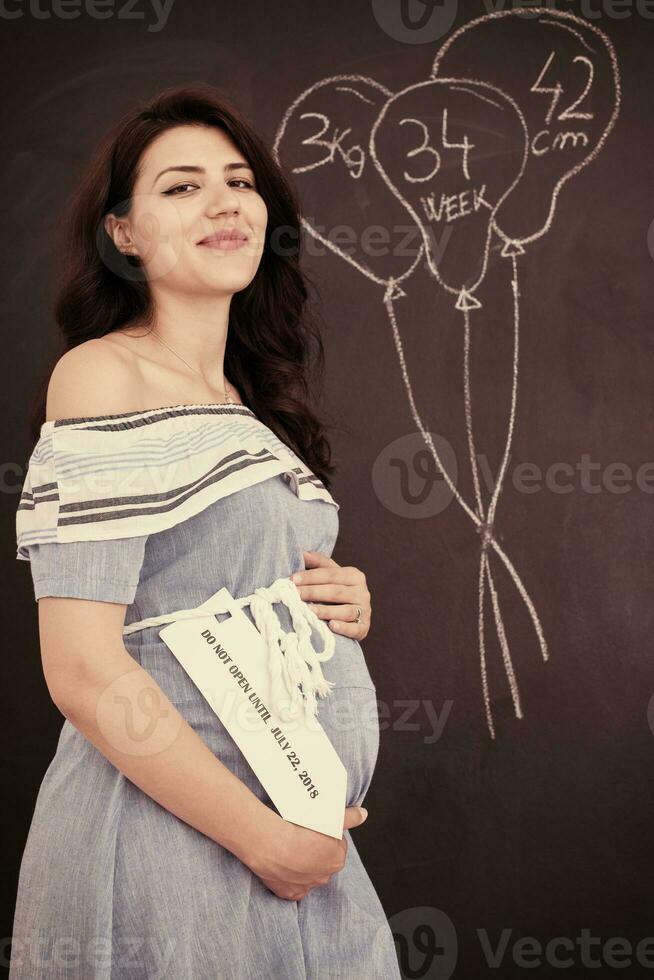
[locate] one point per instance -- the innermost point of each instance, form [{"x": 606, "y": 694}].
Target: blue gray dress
[{"x": 112, "y": 885}]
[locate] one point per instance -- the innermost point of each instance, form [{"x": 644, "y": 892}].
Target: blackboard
[{"x": 477, "y": 214}]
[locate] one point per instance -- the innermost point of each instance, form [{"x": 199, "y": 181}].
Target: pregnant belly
[{"x": 348, "y": 714}]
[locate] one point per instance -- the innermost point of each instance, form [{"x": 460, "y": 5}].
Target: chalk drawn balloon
[
  {"x": 323, "y": 141},
  {"x": 451, "y": 150},
  {"x": 563, "y": 73}
]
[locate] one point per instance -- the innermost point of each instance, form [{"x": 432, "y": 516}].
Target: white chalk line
[
  {"x": 483, "y": 525},
  {"x": 488, "y": 520}
]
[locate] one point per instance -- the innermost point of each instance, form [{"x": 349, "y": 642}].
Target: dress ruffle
[{"x": 136, "y": 473}]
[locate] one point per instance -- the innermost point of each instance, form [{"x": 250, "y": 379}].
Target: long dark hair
[{"x": 274, "y": 352}]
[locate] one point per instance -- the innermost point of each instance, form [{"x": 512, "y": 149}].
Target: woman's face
[{"x": 192, "y": 183}]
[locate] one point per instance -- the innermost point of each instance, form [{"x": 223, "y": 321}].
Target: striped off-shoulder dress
[{"x": 159, "y": 509}]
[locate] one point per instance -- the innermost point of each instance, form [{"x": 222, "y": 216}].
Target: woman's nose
[{"x": 224, "y": 199}]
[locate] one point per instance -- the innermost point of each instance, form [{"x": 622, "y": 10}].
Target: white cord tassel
[{"x": 293, "y": 662}]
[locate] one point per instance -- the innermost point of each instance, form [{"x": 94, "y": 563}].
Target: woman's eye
[
  {"x": 180, "y": 187},
  {"x": 177, "y": 188}
]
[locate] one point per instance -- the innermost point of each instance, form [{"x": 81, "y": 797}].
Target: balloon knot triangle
[
  {"x": 466, "y": 301},
  {"x": 513, "y": 248},
  {"x": 393, "y": 291}
]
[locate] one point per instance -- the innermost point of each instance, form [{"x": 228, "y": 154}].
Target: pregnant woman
[{"x": 176, "y": 455}]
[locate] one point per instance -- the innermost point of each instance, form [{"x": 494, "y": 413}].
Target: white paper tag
[{"x": 294, "y": 760}]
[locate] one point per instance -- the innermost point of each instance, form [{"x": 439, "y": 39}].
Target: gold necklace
[{"x": 226, "y": 394}]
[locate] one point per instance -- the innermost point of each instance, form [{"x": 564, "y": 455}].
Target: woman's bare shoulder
[{"x": 93, "y": 378}]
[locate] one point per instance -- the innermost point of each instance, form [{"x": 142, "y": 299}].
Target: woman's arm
[{"x": 121, "y": 709}]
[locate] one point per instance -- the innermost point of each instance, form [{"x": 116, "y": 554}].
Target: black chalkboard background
[{"x": 545, "y": 829}]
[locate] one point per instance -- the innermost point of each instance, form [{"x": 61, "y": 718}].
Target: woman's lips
[{"x": 226, "y": 244}]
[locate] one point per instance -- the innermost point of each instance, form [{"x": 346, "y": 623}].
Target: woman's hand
[
  {"x": 344, "y": 587},
  {"x": 296, "y": 859}
]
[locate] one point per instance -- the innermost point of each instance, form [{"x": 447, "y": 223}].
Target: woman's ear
[{"x": 118, "y": 231}]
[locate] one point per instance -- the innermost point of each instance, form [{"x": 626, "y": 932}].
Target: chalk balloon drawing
[
  {"x": 476, "y": 153},
  {"x": 469, "y": 154},
  {"x": 451, "y": 150},
  {"x": 563, "y": 73},
  {"x": 328, "y": 128}
]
